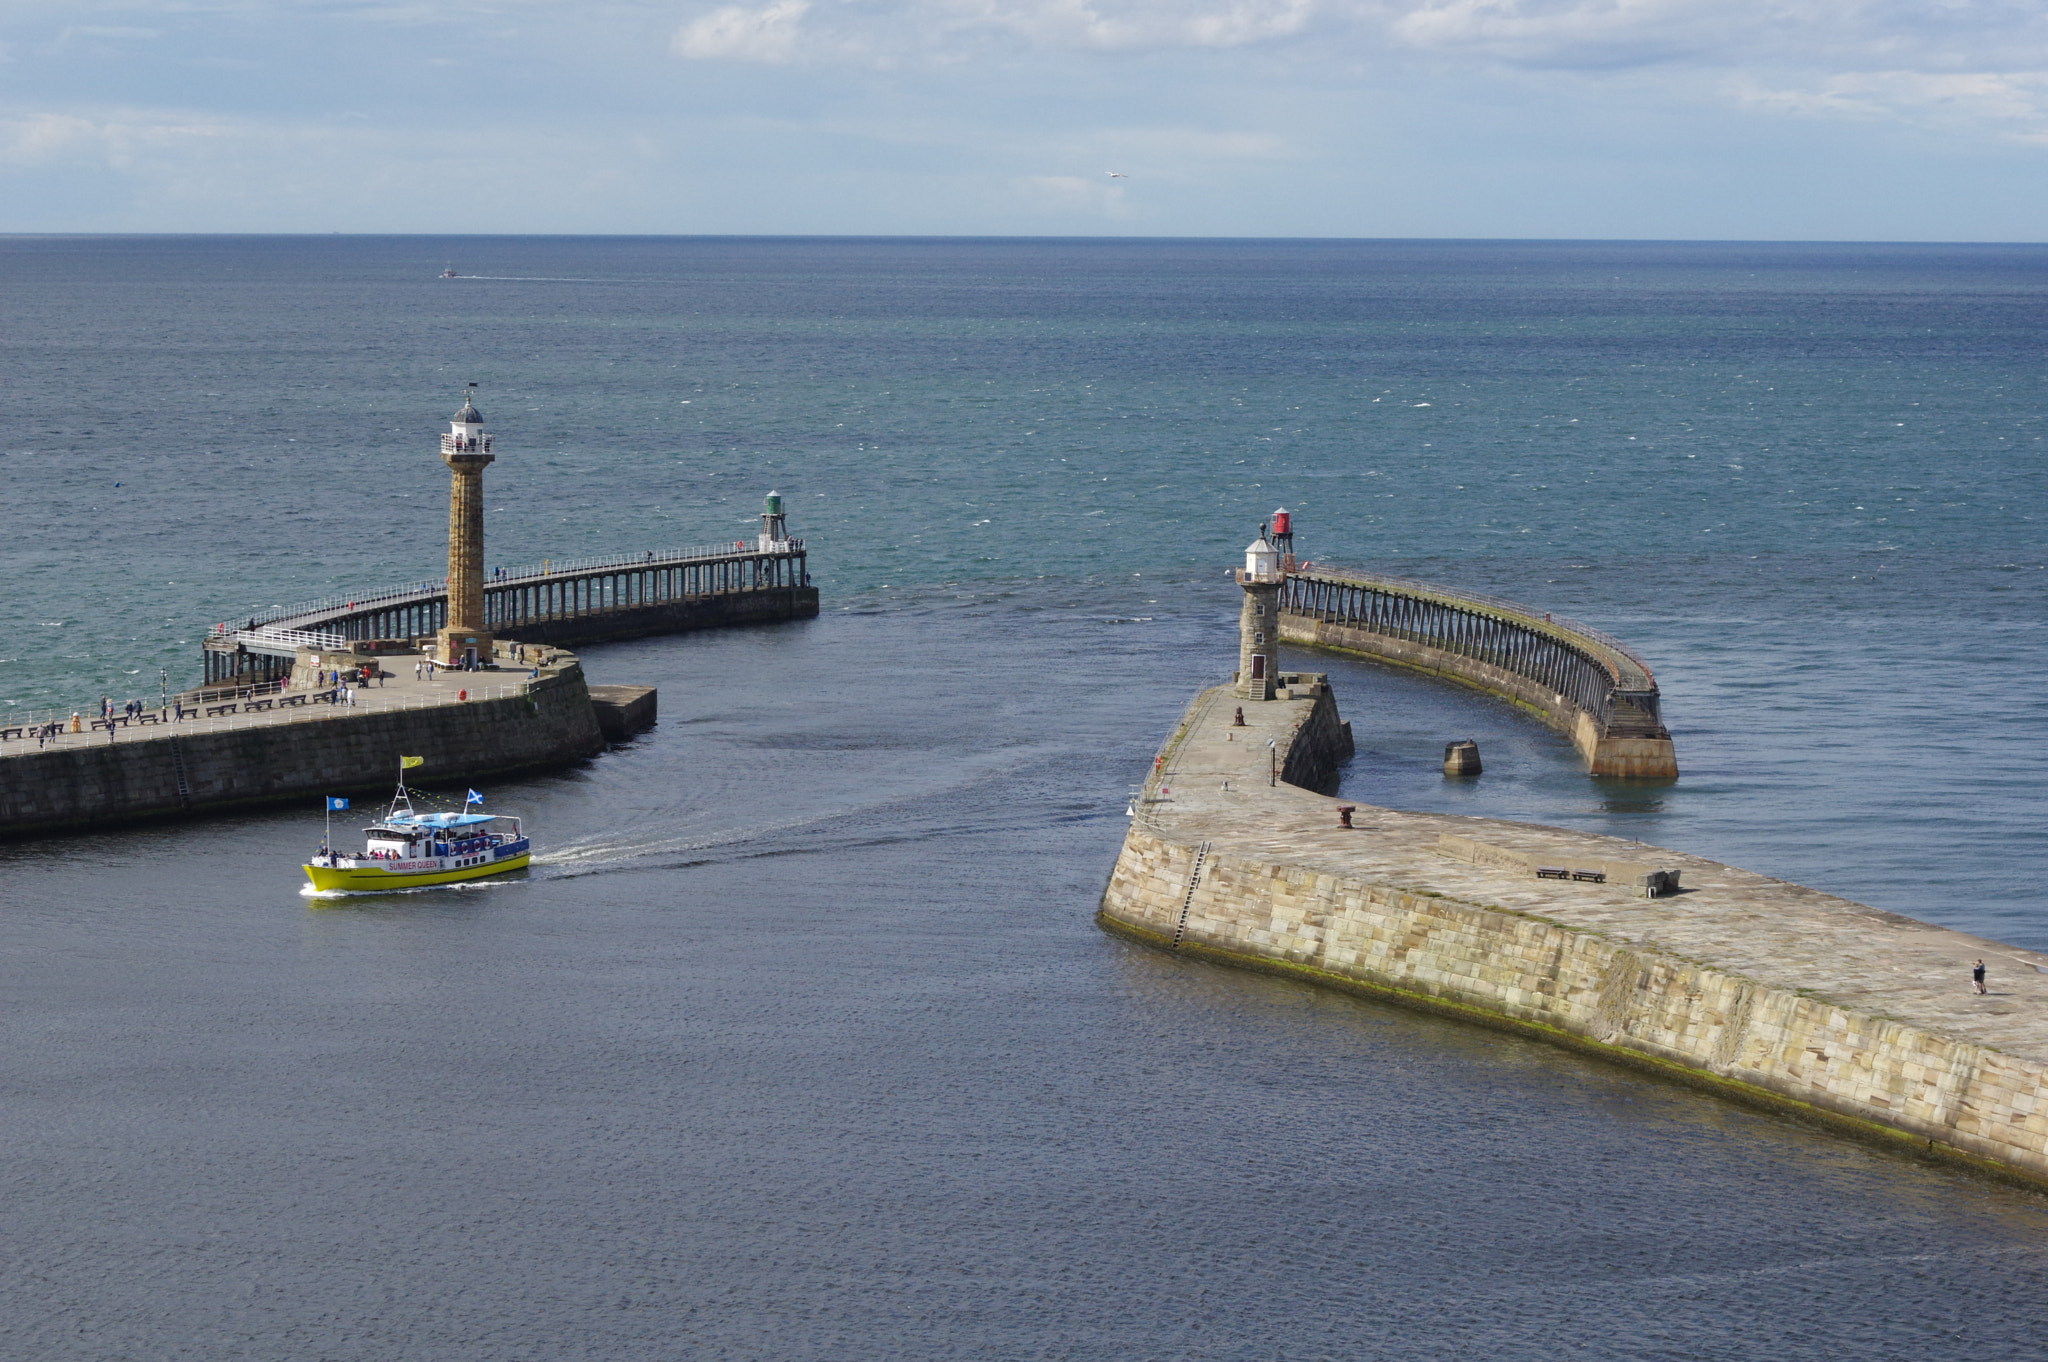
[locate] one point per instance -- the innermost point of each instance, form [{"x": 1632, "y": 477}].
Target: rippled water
[{"x": 799, "y": 1042}]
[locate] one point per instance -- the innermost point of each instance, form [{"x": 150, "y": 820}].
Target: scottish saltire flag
[
  {"x": 474, "y": 798},
  {"x": 333, "y": 803}
]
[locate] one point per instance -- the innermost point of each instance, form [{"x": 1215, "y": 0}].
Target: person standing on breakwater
[{"x": 1977, "y": 977}]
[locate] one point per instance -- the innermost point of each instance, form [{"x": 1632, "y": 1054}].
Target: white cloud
[
  {"x": 114, "y": 140},
  {"x": 2015, "y": 104},
  {"x": 1065, "y": 196},
  {"x": 887, "y": 32},
  {"x": 1955, "y": 61},
  {"x": 736, "y": 33}
]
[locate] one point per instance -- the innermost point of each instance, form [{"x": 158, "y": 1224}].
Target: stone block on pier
[{"x": 622, "y": 711}]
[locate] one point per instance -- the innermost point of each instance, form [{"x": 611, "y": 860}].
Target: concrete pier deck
[{"x": 1748, "y": 982}]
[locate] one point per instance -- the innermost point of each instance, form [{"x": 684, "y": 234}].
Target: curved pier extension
[
  {"x": 1586, "y": 685},
  {"x": 1764, "y": 991},
  {"x": 567, "y": 604}
]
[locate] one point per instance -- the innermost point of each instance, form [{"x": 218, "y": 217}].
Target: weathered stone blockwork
[
  {"x": 327, "y": 752},
  {"x": 1384, "y": 919},
  {"x": 767, "y": 605},
  {"x": 1604, "y": 755}
]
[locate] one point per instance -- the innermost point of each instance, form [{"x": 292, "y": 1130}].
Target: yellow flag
[{"x": 407, "y": 763}]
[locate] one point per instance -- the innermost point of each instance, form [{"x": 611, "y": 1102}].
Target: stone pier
[
  {"x": 1762, "y": 990},
  {"x": 299, "y": 739}
]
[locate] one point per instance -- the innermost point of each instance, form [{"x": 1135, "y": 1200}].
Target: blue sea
[{"x": 799, "y": 1041}]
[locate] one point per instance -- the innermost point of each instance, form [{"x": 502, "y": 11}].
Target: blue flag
[
  {"x": 474, "y": 798},
  {"x": 333, "y": 803}
]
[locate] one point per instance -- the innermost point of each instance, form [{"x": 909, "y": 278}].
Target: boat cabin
[{"x": 407, "y": 837}]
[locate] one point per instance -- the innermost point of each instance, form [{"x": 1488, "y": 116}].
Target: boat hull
[{"x": 370, "y": 878}]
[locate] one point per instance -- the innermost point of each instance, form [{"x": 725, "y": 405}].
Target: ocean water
[{"x": 799, "y": 1041}]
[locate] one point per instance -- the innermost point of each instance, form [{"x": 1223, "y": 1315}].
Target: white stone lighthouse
[{"x": 1258, "y": 624}]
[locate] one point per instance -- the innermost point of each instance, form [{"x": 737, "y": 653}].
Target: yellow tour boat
[{"x": 407, "y": 850}]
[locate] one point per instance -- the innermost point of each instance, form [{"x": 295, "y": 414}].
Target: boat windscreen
[{"x": 439, "y": 821}]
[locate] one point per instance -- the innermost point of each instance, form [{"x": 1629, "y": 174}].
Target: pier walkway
[
  {"x": 567, "y": 603},
  {"x": 263, "y": 705},
  {"x": 1586, "y": 685},
  {"x": 1753, "y": 986},
  {"x": 262, "y": 745}
]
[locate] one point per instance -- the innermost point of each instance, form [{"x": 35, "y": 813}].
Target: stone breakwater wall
[
  {"x": 1409, "y": 919},
  {"x": 338, "y": 752},
  {"x": 762, "y": 606},
  {"x": 1608, "y": 746},
  {"x": 1318, "y": 745}
]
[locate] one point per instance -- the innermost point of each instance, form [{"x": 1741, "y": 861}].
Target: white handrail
[{"x": 293, "y": 638}]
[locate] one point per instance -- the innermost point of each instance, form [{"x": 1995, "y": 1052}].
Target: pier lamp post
[
  {"x": 1258, "y": 623},
  {"x": 466, "y": 449}
]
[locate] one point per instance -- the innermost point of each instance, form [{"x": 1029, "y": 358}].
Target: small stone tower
[
  {"x": 1258, "y": 624},
  {"x": 465, "y": 449},
  {"x": 774, "y": 526}
]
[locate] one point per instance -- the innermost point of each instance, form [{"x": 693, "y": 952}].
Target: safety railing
[
  {"x": 1515, "y": 610},
  {"x": 22, "y": 734},
  {"x": 287, "y": 641},
  {"x": 548, "y": 569}
]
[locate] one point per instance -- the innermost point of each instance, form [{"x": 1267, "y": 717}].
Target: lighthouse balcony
[
  {"x": 456, "y": 444},
  {"x": 1273, "y": 578}
]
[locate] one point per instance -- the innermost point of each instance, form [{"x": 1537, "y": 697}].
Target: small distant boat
[
  {"x": 406, "y": 850},
  {"x": 450, "y": 273}
]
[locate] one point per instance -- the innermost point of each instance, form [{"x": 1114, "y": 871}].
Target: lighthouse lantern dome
[{"x": 1261, "y": 559}]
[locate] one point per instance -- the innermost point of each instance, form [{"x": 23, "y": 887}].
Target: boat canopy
[{"x": 441, "y": 820}]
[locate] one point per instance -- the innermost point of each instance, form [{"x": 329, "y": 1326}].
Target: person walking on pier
[{"x": 1977, "y": 977}]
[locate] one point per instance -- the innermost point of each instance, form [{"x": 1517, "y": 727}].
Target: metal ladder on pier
[
  {"x": 1188, "y": 900},
  {"x": 178, "y": 770}
]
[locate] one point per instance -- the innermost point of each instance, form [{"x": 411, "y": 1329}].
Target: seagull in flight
[{"x": 1116, "y": 175}]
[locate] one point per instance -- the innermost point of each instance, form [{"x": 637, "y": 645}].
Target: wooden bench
[
  {"x": 287, "y": 701},
  {"x": 184, "y": 713},
  {"x": 1590, "y": 876},
  {"x": 255, "y": 705},
  {"x": 1552, "y": 872},
  {"x": 149, "y": 717},
  {"x": 212, "y": 710}
]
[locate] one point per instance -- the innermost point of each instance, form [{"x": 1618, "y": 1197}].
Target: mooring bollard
[
  {"x": 1344, "y": 812},
  {"x": 1461, "y": 758},
  {"x": 1238, "y": 722}
]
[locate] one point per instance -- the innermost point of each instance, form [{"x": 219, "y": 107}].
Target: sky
[{"x": 1668, "y": 119}]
